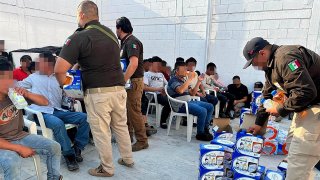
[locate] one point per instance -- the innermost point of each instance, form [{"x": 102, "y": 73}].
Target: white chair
[
  {"x": 153, "y": 96},
  {"x": 46, "y": 132},
  {"x": 217, "y": 108},
  {"x": 174, "y": 113},
  {"x": 32, "y": 128}
]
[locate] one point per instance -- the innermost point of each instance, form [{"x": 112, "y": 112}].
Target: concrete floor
[{"x": 168, "y": 158}]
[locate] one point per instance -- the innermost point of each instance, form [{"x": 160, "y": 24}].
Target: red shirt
[{"x": 19, "y": 74}]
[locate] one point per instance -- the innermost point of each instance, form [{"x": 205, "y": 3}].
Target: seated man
[
  {"x": 44, "y": 82},
  {"x": 191, "y": 66},
  {"x": 209, "y": 83},
  {"x": 22, "y": 72},
  {"x": 179, "y": 88},
  {"x": 154, "y": 81},
  {"x": 240, "y": 94},
  {"x": 14, "y": 142}
]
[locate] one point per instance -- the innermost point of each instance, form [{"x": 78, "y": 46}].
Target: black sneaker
[
  {"x": 164, "y": 125},
  {"x": 78, "y": 154},
  {"x": 71, "y": 162},
  {"x": 203, "y": 137}
]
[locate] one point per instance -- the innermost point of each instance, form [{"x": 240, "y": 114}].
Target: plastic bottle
[
  {"x": 267, "y": 103},
  {"x": 278, "y": 96},
  {"x": 18, "y": 101}
]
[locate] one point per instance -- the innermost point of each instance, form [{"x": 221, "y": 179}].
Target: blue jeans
[
  {"x": 203, "y": 111},
  {"x": 10, "y": 161},
  {"x": 57, "y": 121}
]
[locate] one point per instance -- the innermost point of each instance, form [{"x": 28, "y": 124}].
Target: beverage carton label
[
  {"x": 213, "y": 160},
  {"x": 249, "y": 145},
  {"x": 245, "y": 165}
]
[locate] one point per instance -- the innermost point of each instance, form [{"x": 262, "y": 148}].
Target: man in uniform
[
  {"x": 97, "y": 51},
  {"x": 293, "y": 69},
  {"x": 132, "y": 53}
]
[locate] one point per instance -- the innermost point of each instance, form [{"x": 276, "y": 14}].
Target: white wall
[{"x": 173, "y": 28}]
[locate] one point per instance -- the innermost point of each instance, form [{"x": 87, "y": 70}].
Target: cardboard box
[
  {"x": 73, "y": 88},
  {"x": 249, "y": 121},
  {"x": 223, "y": 124}
]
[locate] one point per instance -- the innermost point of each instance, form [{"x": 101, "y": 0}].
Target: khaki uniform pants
[
  {"x": 106, "y": 108},
  {"x": 136, "y": 123},
  {"x": 303, "y": 143}
]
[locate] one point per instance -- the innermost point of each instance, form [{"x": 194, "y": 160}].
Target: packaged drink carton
[
  {"x": 221, "y": 134},
  {"x": 205, "y": 174},
  {"x": 283, "y": 166},
  {"x": 245, "y": 166},
  {"x": 242, "y": 114},
  {"x": 211, "y": 157},
  {"x": 274, "y": 175},
  {"x": 245, "y": 178},
  {"x": 18, "y": 101},
  {"x": 73, "y": 85},
  {"x": 262, "y": 170},
  {"x": 248, "y": 145},
  {"x": 256, "y": 102}
]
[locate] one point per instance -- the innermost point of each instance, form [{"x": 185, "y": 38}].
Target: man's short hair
[
  {"x": 156, "y": 59},
  {"x": 146, "y": 60},
  {"x": 125, "y": 25},
  {"x": 191, "y": 59},
  {"x": 89, "y": 8},
  {"x": 179, "y": 59},
  {"x": 25, "y": 58},
  {"x": 48, "y": 57},
  {"x": 164, "y": 63},
  {"x": 179, "y": 64},
  {"x": 5, "y": 65},
  {"x": 236, "y": 77},
  {"x": 211, "y": 66}
]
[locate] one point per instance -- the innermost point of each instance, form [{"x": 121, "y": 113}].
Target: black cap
[{"x": 252, "y": 48}]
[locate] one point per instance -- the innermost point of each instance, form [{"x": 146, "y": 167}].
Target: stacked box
[
  {"x": 283, "y": 166},
  {"x": 211, "y": 161},
  {"x": 262, "y": 170},
  {"x": 256, "y": 101},
  {"x": 245, "y": 159},
  {"x": 242, "y": 113},
  {"x": 274, "y": 175},
  {"x": 221, "y": 135},
  {"x": 228, "y": 150},
  {"x": 73, "y": 88}
]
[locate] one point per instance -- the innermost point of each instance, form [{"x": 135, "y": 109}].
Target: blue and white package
[
  {"x": 228, "y": 150},
  {"x": 248, "y": 145},
  {"x": 256, "y": 101},
  {"x": 238, "y": 176},
  {"x": 262, "y": 170},
  {"x": 283, "y": 166},
  {"x": 221, "y": 135},
  {"x": 74, "y": 87},
  {"x": 245, "y": 166},
  {"x": 124, "y": 65},
  {"x": 205, "y": 174},
  {"x": 242, "y": 114},
  {"x": 211, "y": 157},
  {"x": 274, "y": 175}
]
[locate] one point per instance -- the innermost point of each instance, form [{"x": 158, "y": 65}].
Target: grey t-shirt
[{"x": 11, "y": 121}]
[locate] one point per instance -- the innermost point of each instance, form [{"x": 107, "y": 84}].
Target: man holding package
[
  {"x": 97, "y": 52},
  {"x": 294, "y": 70}
]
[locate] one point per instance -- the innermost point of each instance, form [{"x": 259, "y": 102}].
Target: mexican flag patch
[
  {"x": 294, "y": 65},
  {"x": 134, "y": 46}
]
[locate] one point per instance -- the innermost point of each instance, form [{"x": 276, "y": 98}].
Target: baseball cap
[{"x": 251, "y": 49}]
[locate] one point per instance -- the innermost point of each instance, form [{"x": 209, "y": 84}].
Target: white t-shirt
[{"x": 155, "y": 80}]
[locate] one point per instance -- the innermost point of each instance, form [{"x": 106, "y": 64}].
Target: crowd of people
[{"x": 110, "y": 107}]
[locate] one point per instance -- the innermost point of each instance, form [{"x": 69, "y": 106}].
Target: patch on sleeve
[
  {"x": 294, "y": 65},
  {"x": 134, "y": 46},
  {"x": 67, "y": 43}
]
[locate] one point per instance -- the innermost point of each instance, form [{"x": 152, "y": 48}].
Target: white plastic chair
[
  {"x": 46, "y": 132},
  {"x": 217, "y": 108},
  {"x": 175, "y": 113},
  {"x": 159, "y": 107},
  {"x": 32, "y": 129}
]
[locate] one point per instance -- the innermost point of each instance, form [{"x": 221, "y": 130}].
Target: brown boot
[
  {"x": 123, "y": 163},
  {"x": 139, "y": 146},
  {"x": 99, "y": 172}
]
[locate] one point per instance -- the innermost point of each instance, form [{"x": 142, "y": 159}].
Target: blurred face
[
  {"x": 25, "y": 63},
  {"x": 260, "y": 61},
  {"x": 44, "y": 66},
  {"x": 146, "y": 66},
  {"x": 156, "y": 66},
  {"x": 236, "y": 82},
  {"x": 191, "y": 66},
  {"x": 181, "y": 71},
  {"x": 6, "y": 81}
]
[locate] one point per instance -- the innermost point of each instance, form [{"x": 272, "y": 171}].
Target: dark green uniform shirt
[
  {"x": 296, "y": 71},
  {"x": 131, "y": 46},
  {"x": 98, "y": 56}
]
